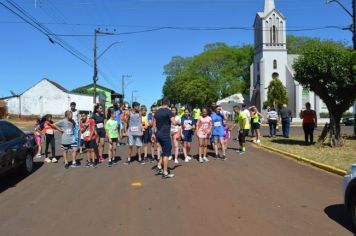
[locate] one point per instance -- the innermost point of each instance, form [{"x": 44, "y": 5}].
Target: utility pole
[
  {"x": 95, "y": 75},
  {"x": 352, "y": 28}
]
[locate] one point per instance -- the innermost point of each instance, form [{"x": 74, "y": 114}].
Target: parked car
[
  {"x": 17, "y": 149},
  {"x": 348, "y": 121},
  {"x": 349, "y": 185}
]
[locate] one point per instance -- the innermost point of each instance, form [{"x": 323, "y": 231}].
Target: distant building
[
  {"x": 46, "y": 97},
  {"x": 271, "y": 61},
  {"x": 110, "y": 95}
]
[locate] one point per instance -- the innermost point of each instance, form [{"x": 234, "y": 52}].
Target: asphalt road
[{"x": 258, "y": 193}]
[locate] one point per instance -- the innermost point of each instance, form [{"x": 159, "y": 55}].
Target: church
[{"x": 272, "y": 61}]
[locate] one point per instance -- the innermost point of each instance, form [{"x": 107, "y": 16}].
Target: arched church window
[
  {"x": 274, "y": 34},
  {"x": 275, "y": 64}
]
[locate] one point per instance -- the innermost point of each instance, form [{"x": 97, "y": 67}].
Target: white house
[
  {"x": 46, "y": 97},
  {"x": 272, "y": 61}
]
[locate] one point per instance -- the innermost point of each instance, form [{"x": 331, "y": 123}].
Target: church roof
[{"x": 291, "y": 58}]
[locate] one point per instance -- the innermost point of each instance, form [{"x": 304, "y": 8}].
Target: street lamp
[{"x": 95, "y": 76}]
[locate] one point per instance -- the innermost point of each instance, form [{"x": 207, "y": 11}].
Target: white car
[{"x": 350, "y": 192}]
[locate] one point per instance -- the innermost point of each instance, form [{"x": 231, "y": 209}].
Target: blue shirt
[
  {"x": 118, "y": 114},
  {"x": 187, "y": 125},
  {"x": 218, "y": 124}
]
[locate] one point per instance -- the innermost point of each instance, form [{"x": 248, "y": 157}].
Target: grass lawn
[{"x": 341, "y": 157}]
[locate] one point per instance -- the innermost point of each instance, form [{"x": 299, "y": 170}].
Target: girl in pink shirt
[{"x": 204, "y": 130}]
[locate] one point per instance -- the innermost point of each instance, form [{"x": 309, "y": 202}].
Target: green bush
[{"x": 326, "y": 114}]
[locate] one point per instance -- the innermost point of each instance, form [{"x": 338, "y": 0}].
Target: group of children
[{"x": 208, "y": 124}]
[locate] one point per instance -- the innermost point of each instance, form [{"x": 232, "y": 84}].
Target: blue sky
[{"x": 27, "y": 56}]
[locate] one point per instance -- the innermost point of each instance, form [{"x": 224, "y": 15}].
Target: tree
[
  {"x": 276, "y": 95},
  {"x": 219, "y": 71},
  {"x": 329, "y": 69}
]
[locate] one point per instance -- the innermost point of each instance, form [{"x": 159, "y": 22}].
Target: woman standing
[
  {"x": 99, "y": 119},
  {"x": 175, "y": 134},
  {"x": 187, "y": 134},
  {"x": 256, "y": 125},
  {"x": 48, "y": 130},
  {"x": 204, "y": 125},
  {"x": 309, "y": 123}
]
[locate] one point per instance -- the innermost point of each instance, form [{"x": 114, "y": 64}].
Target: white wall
[{"x": 45, "y": 98}]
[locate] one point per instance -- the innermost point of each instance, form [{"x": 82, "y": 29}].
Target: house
[
  {"x": 271, "y": 61},
  {"x": 46, "y": 97},
  {"x": 110, "y": 95}
]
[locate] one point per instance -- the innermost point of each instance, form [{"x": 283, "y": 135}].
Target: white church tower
[{"x": 270, "y": 52}]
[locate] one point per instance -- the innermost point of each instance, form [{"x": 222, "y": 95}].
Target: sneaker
[
  {"x": 158, "y": 170},
  {"x": 88, "y": 165},
  {"x": 176, "y": 161},
  {"x": 170, "y": 158},
  {"x": 258, "y": 141},
  {"x": 201, "y": 160},
  {"x": 128, "y": 162},
  {"x": 38, "y": 156},
  {"x": 152, "y": 159},
  {"x": 74, "y": 165},
  {"x": 54, "y": 160},
  {"x": 189, "y": 158},
  {"x": 205, "y": 159},
  {"x": 223, "y": 158},
  {"x": 140, "y": 159},
  {"x": 101, "y": 160},
  {"x": 242, "y": 151},
  {"x": 47, "y": 160},
  {"x": 110, "y": 163},
  {"x": 186, "y": 159},
  {"x": 66, "y": 165},
  {"x": 216, "y": 157},
  {"x": 93, "y": 165},
  {"x": 167, "y": 176},
  {"x": 114, "y": 162}
]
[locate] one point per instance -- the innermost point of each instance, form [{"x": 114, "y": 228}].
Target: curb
[{"x": 322, "y": 166}]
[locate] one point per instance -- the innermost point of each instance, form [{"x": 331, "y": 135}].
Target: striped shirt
[{"x": 272, "y": 115}]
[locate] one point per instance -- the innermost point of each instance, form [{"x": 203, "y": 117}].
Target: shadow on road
[
  {"x": 289, "y": 142},
  {"x": 11, "y": 179},
  {"x": 340, "y": 215}
]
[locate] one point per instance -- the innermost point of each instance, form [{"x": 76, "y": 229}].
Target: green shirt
[
  {"x": 256, "y": 118},
  {"x": 112, "y": 128},
  {"x": 240, "y": 118},
  {"x": 196, "y": 113}
]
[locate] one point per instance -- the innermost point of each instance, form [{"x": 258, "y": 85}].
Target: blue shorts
[
  {"x": 166, "y": 144},
  {"x": 217, "y": 137},
  {"x": 188, "y": 136}
]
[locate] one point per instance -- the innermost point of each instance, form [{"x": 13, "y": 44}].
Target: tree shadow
[
  {"x": 289, "y": 142},
  {"x": 11, "y": 179},
  {"x": 340, "y": 215}
]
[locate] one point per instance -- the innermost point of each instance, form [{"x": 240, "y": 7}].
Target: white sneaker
[
  {"x": 47, "y": 160},
  {"x": 187, "y": 159},
  {"x": 170, "y": 158},
  {"x": 205, "y": 159},
  {"x": 54, "y": 160},
  {"x": 258, "y": 141},
  {"x": 176, "y": 161},
  {"x": 201, "y": 160}
]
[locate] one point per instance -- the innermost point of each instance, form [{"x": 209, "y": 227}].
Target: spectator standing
[
  {"x": 272, "y": 117},
  {"x": 285, "y": 118},
  {"x": 310, "y": 122}
]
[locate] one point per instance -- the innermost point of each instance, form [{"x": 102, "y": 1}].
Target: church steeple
[{"x": 269, "y": 6}]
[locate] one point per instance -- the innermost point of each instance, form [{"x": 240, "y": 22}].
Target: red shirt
[{"x": 89, "y": 132}]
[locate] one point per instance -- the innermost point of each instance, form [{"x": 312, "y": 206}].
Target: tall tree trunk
[{"x": 335, "y": 130}]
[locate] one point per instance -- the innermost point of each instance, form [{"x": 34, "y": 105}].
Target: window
[
  {"x": 274, "y": 33},
  {"x": 275, "y": 64},
  {"x": 10, "y": 131}
]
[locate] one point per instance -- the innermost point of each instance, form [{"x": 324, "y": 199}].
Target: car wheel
[{"x": 27, "y": 166}]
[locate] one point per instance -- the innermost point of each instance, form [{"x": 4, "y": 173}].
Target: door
[{"x": 4, "y": 154}]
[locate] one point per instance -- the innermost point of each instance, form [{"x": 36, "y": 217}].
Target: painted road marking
[{"x": 136, "y": 184}]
